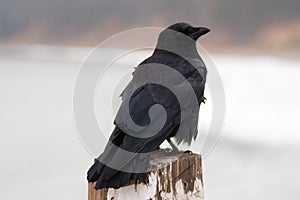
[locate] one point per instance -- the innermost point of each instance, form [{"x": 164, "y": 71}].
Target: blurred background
[{"x": 254, "y": 44}]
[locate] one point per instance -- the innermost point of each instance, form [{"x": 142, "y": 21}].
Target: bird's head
[
  {"x": 180, "y": 37},
  {"x": 189, "y": 30}
]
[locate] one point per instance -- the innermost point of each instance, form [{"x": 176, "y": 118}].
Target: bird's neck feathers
[{"x": 182, "y": 47}]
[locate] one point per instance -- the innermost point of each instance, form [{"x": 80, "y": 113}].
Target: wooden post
[{"x": 177, "y": 177}]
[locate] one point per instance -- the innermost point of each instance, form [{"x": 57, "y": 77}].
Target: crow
[{"x": 176, "y": 48}]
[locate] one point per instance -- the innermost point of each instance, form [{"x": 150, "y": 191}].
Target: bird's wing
[
  {"x": 124, "y": 148},
  {"x": 194, "y": 72}
]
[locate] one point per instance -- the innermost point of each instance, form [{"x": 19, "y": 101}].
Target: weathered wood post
[{"x": 178, "y": 177}]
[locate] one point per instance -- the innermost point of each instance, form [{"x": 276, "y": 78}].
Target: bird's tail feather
[
  {"x": 98, "y": 171},
  {"x": 94, "y": 171},
  {"x": 133, "y": 160}
]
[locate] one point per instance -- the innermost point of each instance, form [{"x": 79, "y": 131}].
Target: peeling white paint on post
[
  {"x": 139, "y": 191},
  {"x": 196, "y": 194},
  {"x": 180, "y": 178}
]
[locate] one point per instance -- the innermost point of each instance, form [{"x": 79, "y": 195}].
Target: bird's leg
[
  {"x": 175, "y": 149},
  {"x": 172, "y": 145}
]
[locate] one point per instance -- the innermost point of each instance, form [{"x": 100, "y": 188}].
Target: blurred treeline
[{"x": 86, "y": 22}]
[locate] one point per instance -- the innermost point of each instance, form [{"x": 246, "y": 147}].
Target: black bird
[{"x": 176, "y": 48}]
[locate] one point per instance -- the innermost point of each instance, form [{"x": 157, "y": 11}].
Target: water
[{"x": 42, "y": 157}]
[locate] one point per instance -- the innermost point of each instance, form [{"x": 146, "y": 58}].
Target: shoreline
[
  {"x": 289, "y": 54},
  {"x": 17, "y": 49}
]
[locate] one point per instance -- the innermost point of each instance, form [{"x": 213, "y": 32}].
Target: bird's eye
[{"x": 188, "y": 29}]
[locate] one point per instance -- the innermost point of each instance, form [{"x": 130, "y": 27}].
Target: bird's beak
[{"x": 198, "y": 31}]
